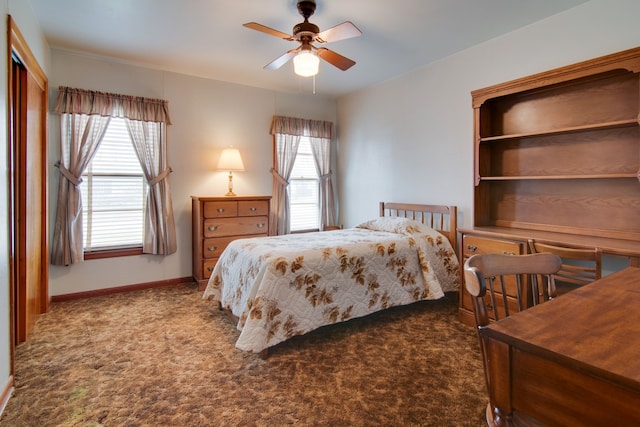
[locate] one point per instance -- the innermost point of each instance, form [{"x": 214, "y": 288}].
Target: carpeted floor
[{"x": 165, "y": 357}]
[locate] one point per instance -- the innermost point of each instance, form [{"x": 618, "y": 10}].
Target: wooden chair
[
  {"x": 503, "y": 284},
  {"x": 514, "y": 282},
  {"x": 579, "y": 266}
]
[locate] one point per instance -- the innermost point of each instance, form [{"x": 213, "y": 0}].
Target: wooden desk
[{"x": 572, "y": 361}]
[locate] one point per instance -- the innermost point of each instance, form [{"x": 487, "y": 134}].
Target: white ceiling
[{"x": 206, "y": 38}]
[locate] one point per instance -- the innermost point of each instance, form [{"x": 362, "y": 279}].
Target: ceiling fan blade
[
  {"x": 346, "y": 30},
  {"x": 281, "y": 60},
  {"x": 267, "y": 30},
  {"x": 335, "y": 59}
]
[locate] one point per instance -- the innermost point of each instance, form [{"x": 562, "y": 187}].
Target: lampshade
[
  {"x": 230, "y": 160},
  {"x": 306, "y": 64}
]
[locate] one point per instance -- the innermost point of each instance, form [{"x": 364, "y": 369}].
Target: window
[
  {"x": 113, "y": 193},
  {"x": 298, "y": 195},
  {"x": 304, "y": 195}
]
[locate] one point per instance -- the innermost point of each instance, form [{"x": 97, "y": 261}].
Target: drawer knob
[
  {"x": 212, "y": 227},
  {"x": 261, "y": 225},
  {"x": 212, "y": 248},
  {"x": 253, "y": 209},
  {"x": 508, "y": 253},
  {"x": 472, "y": 248},
  {"x": 210, "y": 269},
  {"x": 220, "y": 210}
]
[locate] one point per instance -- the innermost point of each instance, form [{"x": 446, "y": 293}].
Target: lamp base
[{"x": 230, "y": 192}]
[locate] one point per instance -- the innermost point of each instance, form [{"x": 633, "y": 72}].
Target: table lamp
[{"x": 231, "y": 161}]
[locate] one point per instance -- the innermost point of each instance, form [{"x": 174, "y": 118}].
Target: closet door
[{"x": 28, "y": 159}]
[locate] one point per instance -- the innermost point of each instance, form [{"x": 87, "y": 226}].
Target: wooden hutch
[{"x": 557, "y": 159}]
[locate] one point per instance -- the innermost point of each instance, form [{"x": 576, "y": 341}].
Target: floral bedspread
[{"x": 283, "y": 286}]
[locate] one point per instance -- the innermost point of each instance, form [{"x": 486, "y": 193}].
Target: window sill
[
  {"x": 112, "y": 253},
  {"x": 305, "y": 231}
]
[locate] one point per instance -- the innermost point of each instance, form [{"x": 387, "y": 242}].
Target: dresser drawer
[
  {"x": 213, "y": 247},
  {"x": 472, "y": 245},
  {"x": 238, "y": 226},
  {"x": 207, "y": 267},
  {"x": 220, "y": 209},
  {"x": 253, "y": 207}
]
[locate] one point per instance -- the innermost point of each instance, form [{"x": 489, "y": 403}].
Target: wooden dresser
[
  {"x": 557, "y": 159},
  {"x": 216, "y": 221}
]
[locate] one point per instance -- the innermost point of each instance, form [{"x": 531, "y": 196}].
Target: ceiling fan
[{"x": 305, "y": 56}]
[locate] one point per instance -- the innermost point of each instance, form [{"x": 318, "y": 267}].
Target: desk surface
[{"x": 595, "y": 328}]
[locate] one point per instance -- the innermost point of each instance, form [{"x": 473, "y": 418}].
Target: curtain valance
[
  {"x": 90, "y": 102},
  {"x": 302, "y": 127}
]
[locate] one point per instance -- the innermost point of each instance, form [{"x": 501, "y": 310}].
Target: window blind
[
  {"x": 113, "y": 192},
  {"x": 304, "y": 195}
]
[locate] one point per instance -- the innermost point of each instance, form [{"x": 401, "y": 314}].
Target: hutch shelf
[{"x": 557, "y": 159}]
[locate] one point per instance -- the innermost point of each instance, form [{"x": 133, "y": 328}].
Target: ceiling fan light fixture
[
  {"x": 306, "y": 58},
  {"x": 306, "y": 63}
]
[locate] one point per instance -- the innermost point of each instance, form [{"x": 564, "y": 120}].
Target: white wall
[
  {"x": 411, "y": 138},
  {"x": 207, "y": 116},
  {"x": 27, "y": 24}
]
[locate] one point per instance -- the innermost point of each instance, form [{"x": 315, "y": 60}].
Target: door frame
[{"x": 18, "y": 48}]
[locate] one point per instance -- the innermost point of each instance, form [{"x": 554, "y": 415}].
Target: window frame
[
  {"x": 112, "y": 253},
  {"x": 114, "y": 250},
  {"x": 307, "y": 140}
]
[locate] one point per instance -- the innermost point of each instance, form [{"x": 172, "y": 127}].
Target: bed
[{"x": 278, "y": 287}]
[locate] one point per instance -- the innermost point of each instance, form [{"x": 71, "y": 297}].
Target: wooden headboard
[{"x": 439, "y": 217}]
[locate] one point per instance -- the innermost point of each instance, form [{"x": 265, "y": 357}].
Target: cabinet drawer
[
  {"x": 499, "y": 302},
  {"x": 220, "y": 209},
  {"x": 512, "y": 303},
  {"x": 472, "y": 245},
  {"x": 213, "y": 247},
  {"x": 239, "y": 226},
  {"x": 253, "y": 207}
]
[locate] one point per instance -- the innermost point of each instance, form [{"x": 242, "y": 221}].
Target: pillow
[{"x": 398, "y": 225}]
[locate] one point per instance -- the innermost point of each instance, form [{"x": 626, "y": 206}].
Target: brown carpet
[{"x": 165, "y": 357}]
